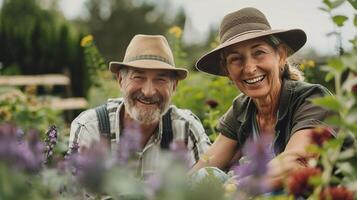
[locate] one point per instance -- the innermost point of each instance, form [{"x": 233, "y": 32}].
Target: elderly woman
[{"x": 274, "y": 102}]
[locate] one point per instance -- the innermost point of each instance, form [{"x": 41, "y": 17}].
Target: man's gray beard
[{"x": 144, "y": 116}]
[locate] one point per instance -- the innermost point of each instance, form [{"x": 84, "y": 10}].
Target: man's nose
[{"x": 148, "y": 89}]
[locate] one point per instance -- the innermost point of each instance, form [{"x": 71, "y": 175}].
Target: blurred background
[{"x": 55, "y": 53}]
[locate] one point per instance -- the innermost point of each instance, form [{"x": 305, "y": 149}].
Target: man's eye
[
  {"x": 163, "y": 80},
  {"x": 138, "y": 77}
]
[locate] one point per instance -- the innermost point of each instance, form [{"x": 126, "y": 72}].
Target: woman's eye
[
  {"x": 233, "y": 59},
  {"x": 259, "y": 52}
]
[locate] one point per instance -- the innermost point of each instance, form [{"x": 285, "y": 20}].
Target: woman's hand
[{"x": 218, "y": 155}]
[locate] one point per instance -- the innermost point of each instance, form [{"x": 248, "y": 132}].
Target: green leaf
[
  {"x": 329, "y": 76},
  {"x": 350, "y": 60},
  {"x": 345, "y": 167},
  {"x": 327, "y": 3},
  {"x": 337, "y": 64},
  {"x": 329, "y": 102},
  {"x": 333, "y": 120},
  {"x": 354, "y": 41},
  {"x": 337, "y": 3},
  {"x": 324, "y": 9},
  {"x": 352, "y": 128},
  {"x": 315, "y": 180},
  {"x": 353, "y": 3},
  {"x": 314, "y": 149},
  {"x": 339, "y": 19},
  {"x": 355, "y": 20},
  {"x": 332, "y": 33},
  {"x": 351, "y": 81},
  {"x": 333, "y": 143},
  {"x": 349, "y": 153}
]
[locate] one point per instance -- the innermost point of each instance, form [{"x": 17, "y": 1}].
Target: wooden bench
[{"x": 68, "y": 103}]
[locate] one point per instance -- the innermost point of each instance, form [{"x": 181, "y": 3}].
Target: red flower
[
  {"x": 212, "y": 103},
  {"x": 321, "y": 134},
  {"x": 336, "y": 193},
  {"x": 298, "y": 182},
  {"x": 354, "y": 89}
]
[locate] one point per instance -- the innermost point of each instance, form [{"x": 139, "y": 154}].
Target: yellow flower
[
  {"x": 176, "y": 31},
  {"x": 229, "y": 189},
  {"x": 310, "y": 63},
  {"x": 214, "y": 43},
  {"x": 86, "y": 40},
  {"x": 5, "y": 114}
]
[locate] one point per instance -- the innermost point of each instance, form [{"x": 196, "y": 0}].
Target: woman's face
[{"x": 253, "y": 66}]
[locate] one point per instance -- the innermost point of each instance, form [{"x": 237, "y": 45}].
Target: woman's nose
[{"x": 250, "y": 66}]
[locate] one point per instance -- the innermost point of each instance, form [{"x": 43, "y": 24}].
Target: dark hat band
[
  {"x": 150, "y": 57},
  {"x": 243, "y": 29}
]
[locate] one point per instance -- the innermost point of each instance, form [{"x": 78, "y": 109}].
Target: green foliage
[
  {"x": 38, "y": 41},
  {"x": 197, "y": 90},
  {"x": 27, "y": 111},
  {"x": 194, "y": 91},
  {"x": 339, "y": 19},
  {"x": 111, "y": 23}
]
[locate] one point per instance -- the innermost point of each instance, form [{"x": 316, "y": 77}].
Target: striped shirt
[{"x": 185, "y": 127}]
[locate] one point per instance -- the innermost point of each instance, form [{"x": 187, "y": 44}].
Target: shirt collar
[{"x": 248, "y": 107}]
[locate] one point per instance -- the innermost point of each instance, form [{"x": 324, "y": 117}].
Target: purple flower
[
  {"x": 153, "y": 183},
  {"x": 250, "y": 172},
  {"x": 24, "y": 155},
  {"x": 129, "y": 144},
  {"x": 51, "y": 140},
  {"x": 180, "y": 152},
  {"x": 90, "y": 166}
]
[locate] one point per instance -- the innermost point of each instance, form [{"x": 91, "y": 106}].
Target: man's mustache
[{"x": 152, "y": 99}]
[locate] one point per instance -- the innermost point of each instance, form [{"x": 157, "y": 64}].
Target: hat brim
[
  {"x": 148, "y": 64},
  {"x": 210, "y": 62}
]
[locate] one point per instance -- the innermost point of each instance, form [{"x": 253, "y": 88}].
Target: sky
[{"x": 282, "y": 14}]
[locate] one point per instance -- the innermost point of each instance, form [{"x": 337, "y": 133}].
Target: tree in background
[
  {"x": 35, "y": 40},
  {"x": 114, "y": 22}
]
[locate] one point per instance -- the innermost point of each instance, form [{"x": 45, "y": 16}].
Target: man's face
[{"x": 147, "y": 93}]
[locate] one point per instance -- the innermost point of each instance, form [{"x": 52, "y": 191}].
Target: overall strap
[
  {"x": 167, "y": 135},
  {"x": 104, "y": 123}
]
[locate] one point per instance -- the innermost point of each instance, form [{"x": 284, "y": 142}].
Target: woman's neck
[{"x": 267, "y": 108}]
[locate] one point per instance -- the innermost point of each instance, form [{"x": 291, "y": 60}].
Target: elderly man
[{"x": 147, "y": 79}]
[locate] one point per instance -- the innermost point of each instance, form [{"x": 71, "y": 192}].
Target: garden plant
[{"x": 34, "y": 163}]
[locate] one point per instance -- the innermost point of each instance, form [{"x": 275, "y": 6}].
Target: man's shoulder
[
  {"x": 90, "y": 115},
  {"x": 113, "y": 103},
  {"x": 183, "y": 114},
  {"x": 85, "y": 117}
]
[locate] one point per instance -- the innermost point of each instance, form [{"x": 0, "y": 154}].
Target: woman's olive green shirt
[{"x": 296, "y": 112}]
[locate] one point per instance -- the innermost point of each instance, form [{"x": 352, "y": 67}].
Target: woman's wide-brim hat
[
  {"x": 242, "y": 25},
  {"x": 149, "y": 52}
]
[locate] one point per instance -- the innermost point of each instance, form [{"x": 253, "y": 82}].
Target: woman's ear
[{"x": 283, "y": 54}]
